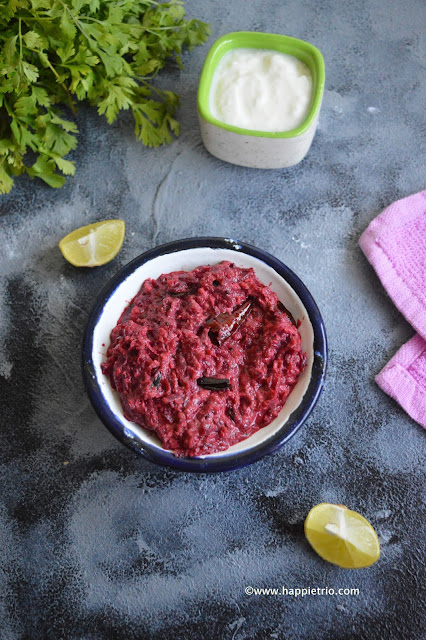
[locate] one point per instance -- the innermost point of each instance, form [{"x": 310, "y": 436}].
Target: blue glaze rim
[{"x": 240, "y": 459}]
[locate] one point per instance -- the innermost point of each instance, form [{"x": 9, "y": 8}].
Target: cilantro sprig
[{"x": 58, "y": 52}]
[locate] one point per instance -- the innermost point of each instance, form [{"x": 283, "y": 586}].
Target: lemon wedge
[
  {"x": 93, "y": 245},
  {"x": 342, "y": 536}
]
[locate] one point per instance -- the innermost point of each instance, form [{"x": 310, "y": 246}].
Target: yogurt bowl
[
  {"x": 254, "y": 147},
  {"x": 186, "y": 255}
]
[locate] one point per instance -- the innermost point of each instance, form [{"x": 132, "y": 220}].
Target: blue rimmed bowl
[{"x": 186, "y": 255}]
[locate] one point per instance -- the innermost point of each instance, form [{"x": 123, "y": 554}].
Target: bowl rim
[
  {"x": 208, "y": 463},
  {"x": 305, "y": 51}
]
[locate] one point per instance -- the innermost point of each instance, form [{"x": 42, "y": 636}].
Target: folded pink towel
[{"x": 395, "y": 244}]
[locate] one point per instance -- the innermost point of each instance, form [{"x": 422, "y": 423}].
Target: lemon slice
[
  {"x": 342, "y": 536},
  {"x": 93, "y": 245}
]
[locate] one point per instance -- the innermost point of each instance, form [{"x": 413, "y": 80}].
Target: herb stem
[
  {"x": 36, "y": 18},
  {"x": 155, "y": 29},
  {"x": 8, "y": 109},
  {"x": 20, "y": 40},
  {"x": 52, "y": 68}
]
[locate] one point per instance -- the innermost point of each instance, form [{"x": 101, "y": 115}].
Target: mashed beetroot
[{"x": 166, "y": 343}]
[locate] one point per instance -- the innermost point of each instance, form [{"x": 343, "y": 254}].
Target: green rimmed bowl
[{"x": 259, "y": 149}]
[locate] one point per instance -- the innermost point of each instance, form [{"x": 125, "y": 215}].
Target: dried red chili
[{"x": 224, "y": 325}]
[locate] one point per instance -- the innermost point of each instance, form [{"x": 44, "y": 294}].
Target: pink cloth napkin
[{"x": 395, "y": 244}]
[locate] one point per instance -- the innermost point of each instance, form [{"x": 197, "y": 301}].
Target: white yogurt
[{"x": 261, "y": 90}]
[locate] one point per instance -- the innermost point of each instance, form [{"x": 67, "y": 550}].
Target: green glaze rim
[{"x": 301, "y": 49}]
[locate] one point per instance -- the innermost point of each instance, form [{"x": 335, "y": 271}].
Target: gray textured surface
[{"x": 98, "y": 544}]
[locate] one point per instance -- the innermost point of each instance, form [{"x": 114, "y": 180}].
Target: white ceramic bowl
[
  {"x": 259, "y": 149},
  {"x": 186, "y": 255}
]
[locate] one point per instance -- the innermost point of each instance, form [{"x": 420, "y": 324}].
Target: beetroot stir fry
[{"x": 204, "y": 358}]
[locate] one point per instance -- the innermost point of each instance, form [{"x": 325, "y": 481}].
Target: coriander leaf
[
  {"x": 55, "y": 53},
  {"x": 6, "y": 182},
  {"x": 26, "y": 105},
  {"x": 32, "y": 40},
  {"x": 68, "y": 27},
  {"x": 10, "y": 9},
  {"x": 67, "y": 167},
  {"x": 10, "y": 52},
  {"x": 30, "y": 71},
  {"x": 44, "y": 168}
]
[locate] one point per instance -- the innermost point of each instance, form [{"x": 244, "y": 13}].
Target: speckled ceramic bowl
[
  {"x": 259, "y": 149},
  {"x": 186, "y": 255}
]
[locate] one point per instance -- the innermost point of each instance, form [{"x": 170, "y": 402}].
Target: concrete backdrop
[{"x": 98, "y": 544}]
